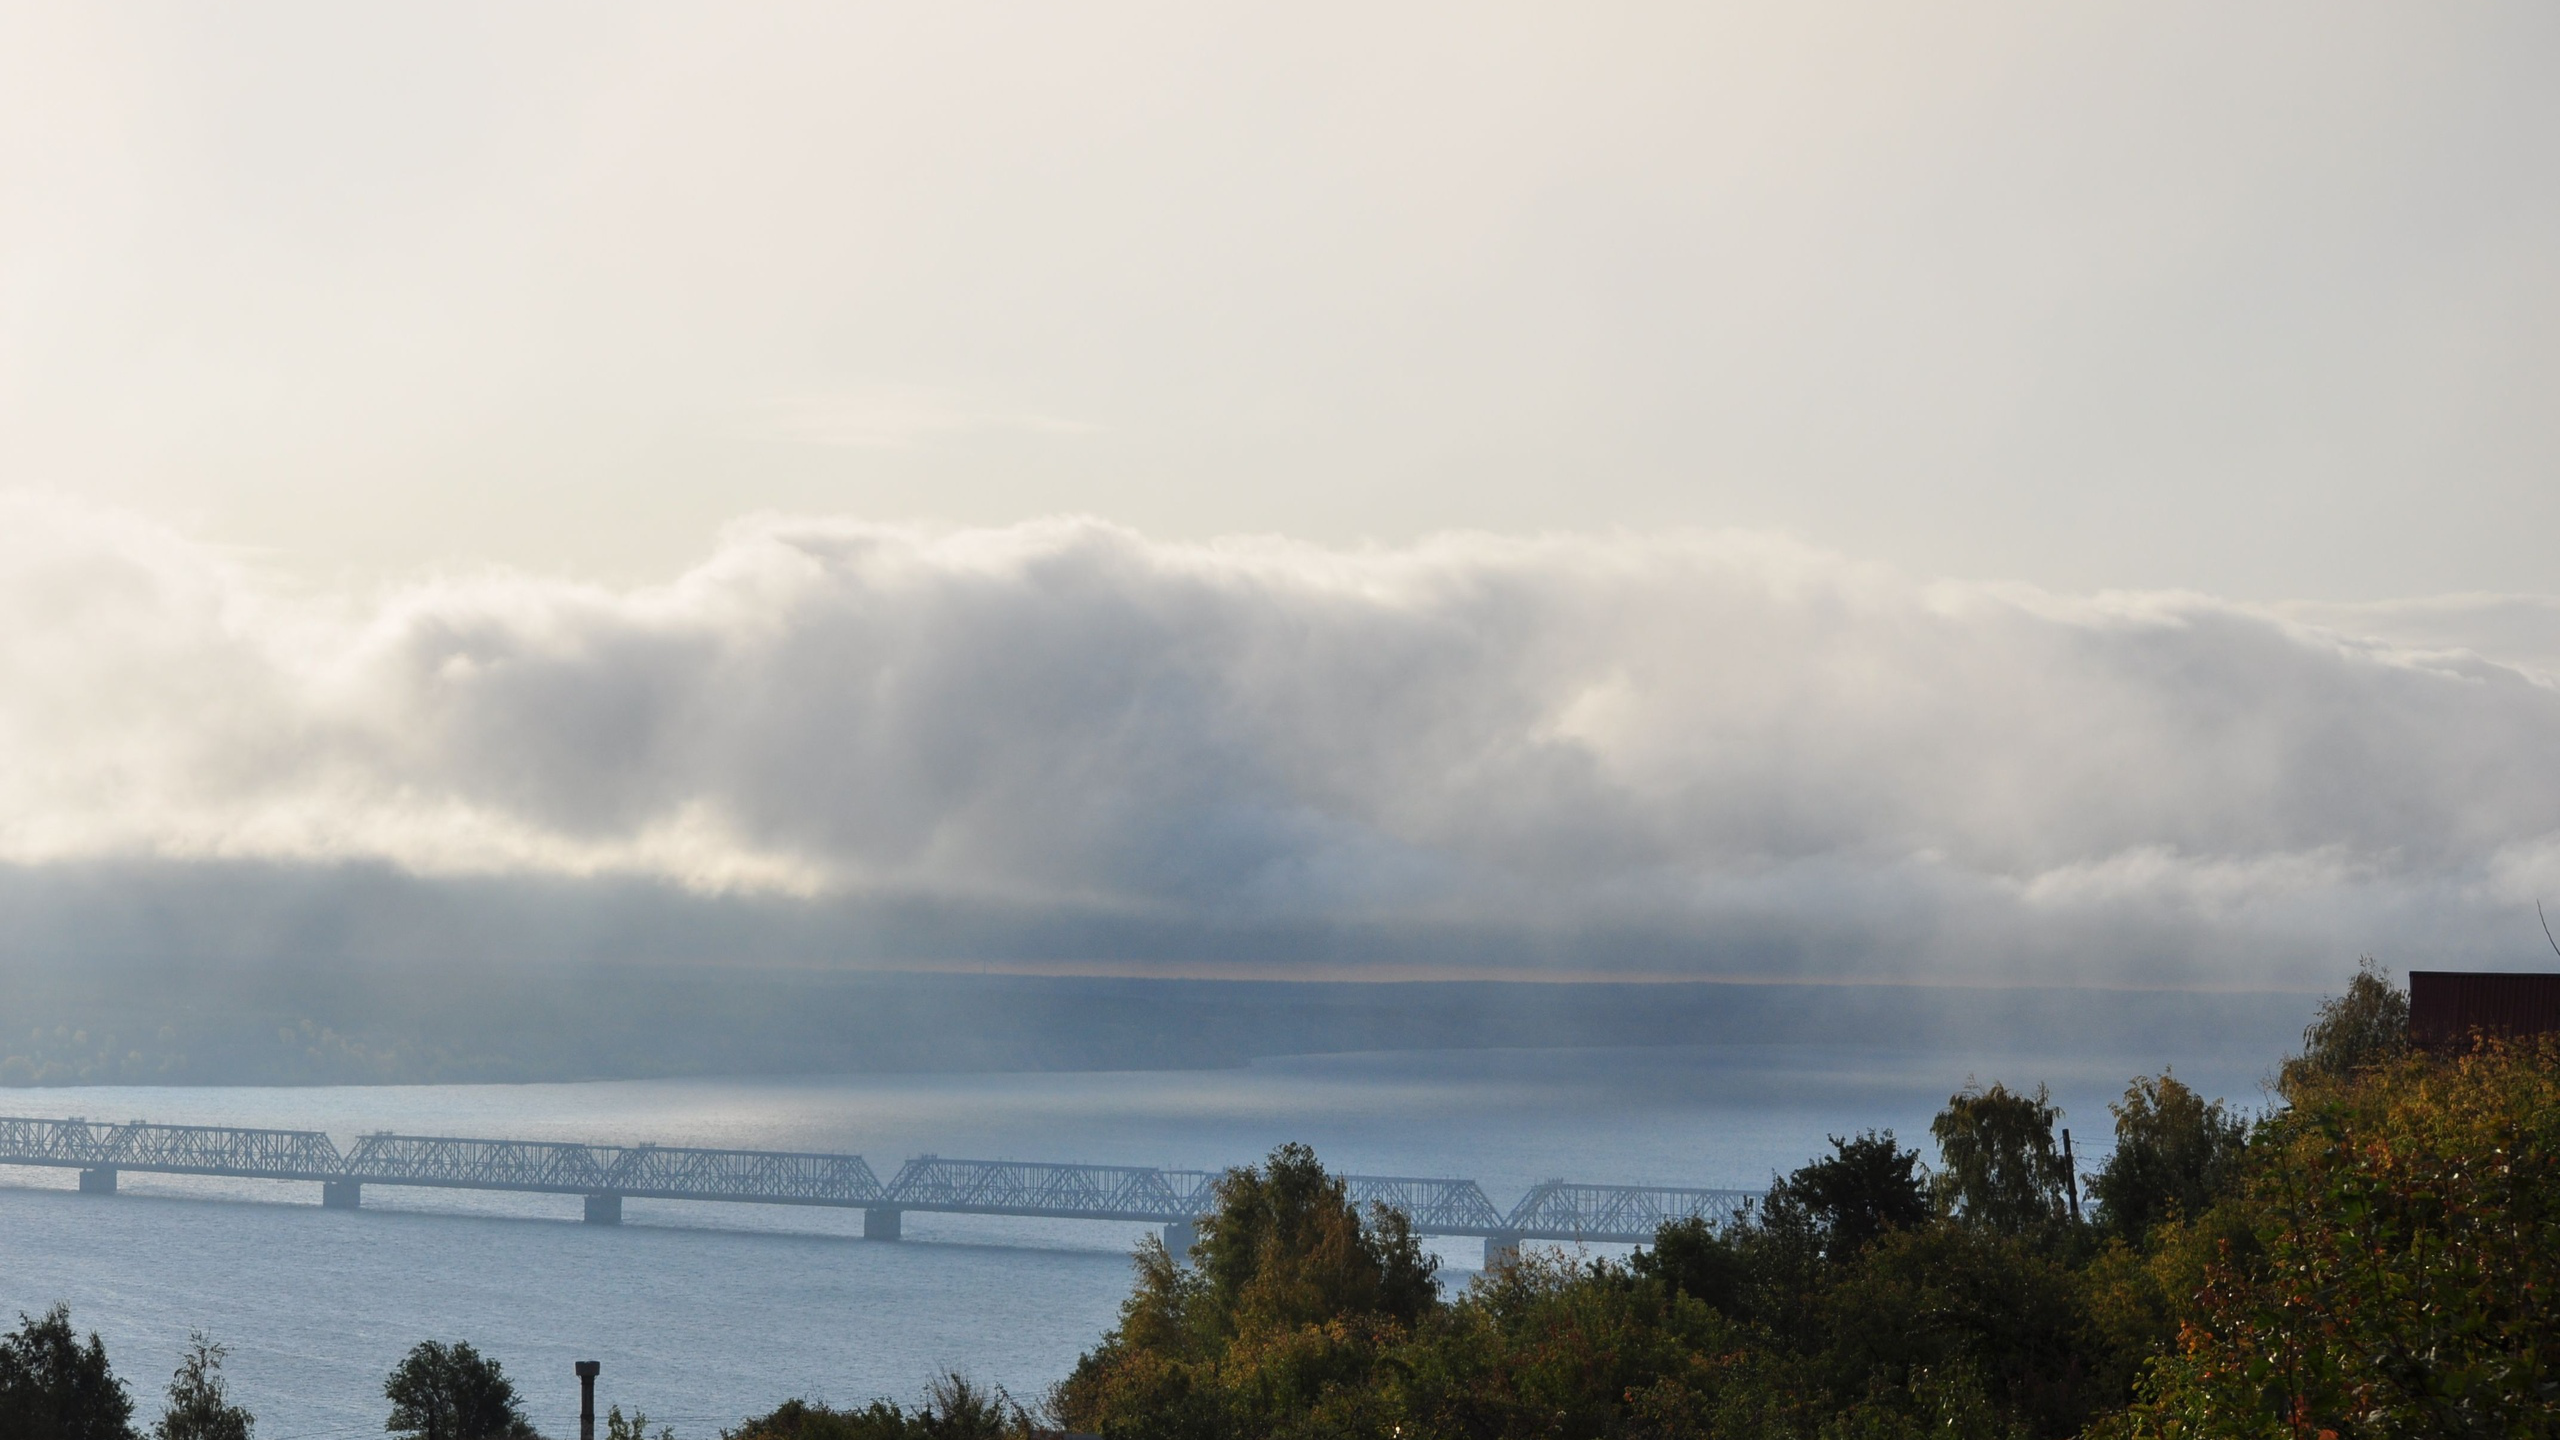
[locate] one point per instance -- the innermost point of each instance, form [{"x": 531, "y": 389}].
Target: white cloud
[{"x": 1705, "y": 751}]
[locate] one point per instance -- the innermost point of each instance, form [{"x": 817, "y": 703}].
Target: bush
[{"x": 954, "y": 1408}]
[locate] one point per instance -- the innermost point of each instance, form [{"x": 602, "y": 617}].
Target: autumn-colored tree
[
  {"x": 1295, "y": 1295},
  {"x": 2408, "y": 1220}
]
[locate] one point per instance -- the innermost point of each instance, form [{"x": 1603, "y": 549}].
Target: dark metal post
[
  {"x": 2071, "y": 1177},
  {"x": 587, "y": 1399}
]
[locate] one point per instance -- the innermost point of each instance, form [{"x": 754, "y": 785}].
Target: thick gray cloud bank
[{"x": 1703, "y": 754}]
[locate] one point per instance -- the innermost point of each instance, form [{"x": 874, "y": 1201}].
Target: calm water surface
[{"x": 703, "y": 1314}]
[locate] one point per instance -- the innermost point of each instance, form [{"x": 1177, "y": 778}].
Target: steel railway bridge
[{"x": 605, "y": 1175}]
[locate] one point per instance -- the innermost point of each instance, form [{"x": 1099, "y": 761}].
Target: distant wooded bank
[{"x": 138, "y": 1023}]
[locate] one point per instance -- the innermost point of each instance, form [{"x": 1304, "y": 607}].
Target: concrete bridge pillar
[
  {"x": 604, "y": 1210},
  {"x": 1180, "y": 1236},
  {"x": 101, "y": 1181},
  {"x": 1501, "y": 1250},
  {"x": 341, "y": 1194},
  {"x": 880, "y": 1223}
]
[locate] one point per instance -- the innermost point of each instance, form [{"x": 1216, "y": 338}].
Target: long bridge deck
[{"x": 608, "y": 1174}]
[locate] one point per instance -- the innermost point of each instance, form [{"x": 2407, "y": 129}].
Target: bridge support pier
[
  {"x": 881, "y": 1223},
  {"x": 341, "y": 1194},
  {"x": 100, "y": 1181},
  {"x": 1501, "y": 1250},
  {"x": 604, "y": 1210},
  {"x": 1180, "y": 1236}
]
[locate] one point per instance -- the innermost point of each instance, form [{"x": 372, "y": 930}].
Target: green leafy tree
[
  {"x": 453, "y": 1392},
  {"x": 1862, "y": 1189},
  {"x": 1998, "y": 1164},
  {"x": 2175, "y": 1154},
  {"x": 1706, "y": 1262},
  {"x": 2367, "y": 1026},
  {"x": 200, "y": 1405},
  {"x": 53, "y": 1387}
]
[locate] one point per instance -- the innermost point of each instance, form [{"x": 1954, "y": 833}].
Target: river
[{"x": 702, "y": 1314}]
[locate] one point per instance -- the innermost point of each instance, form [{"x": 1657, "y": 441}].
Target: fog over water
[{"x": 703, "y": 1313}]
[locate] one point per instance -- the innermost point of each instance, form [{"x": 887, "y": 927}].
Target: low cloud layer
[{"x": 1704, "y": 754}]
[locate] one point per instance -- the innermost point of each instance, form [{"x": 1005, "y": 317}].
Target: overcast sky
[{"x": 2034, "y": 491}]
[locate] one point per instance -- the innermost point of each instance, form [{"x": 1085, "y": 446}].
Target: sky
[{"x": 1976, "y": 493}]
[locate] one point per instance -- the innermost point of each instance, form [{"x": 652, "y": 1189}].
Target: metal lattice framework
[
  {"x": 455, "y": 1163},
  {"x": 1198, "y": 1189},
  {"x": 176, "y": 1149},
  {"x": 1436, "y": 1207},
  {"x": 1558, "y": 1211},
  {"x": 1013, "y": 1187},
  {"x": 784, "y": 1177},
  {"x": 1552, "y": 1211}
]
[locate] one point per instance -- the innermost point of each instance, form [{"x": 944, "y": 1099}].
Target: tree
[
  {"x": 52, "y": 1387},
  {"x": 1862, "y": 1189},
  {"x": 1287, "y": 1247},
  {"x": 2174, "y": 1155},
  {"x": 452, "y": 1392},
  {"x": 2367, "y": 1026},
  {"x": 2409, "y": 1228},
  {"x": 200, "y": 1406},
  {"x": 955, "y": 1408},
  {"x": 635, "y": 1428},
  {"x": 1999, "y": 1165},
  {"x": 1295, "y": 1296}
]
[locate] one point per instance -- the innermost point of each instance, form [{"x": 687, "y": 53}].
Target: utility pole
[
  {"x": 2071, "y": 1177},
  {"x": 587, "y": 1399}
]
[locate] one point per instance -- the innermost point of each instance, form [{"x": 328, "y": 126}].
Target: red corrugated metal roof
[{"x": 2445, "y": 1006}]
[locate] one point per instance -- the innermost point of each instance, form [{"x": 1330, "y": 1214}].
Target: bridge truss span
[
  {"x": 1436, "y": 1207},
  {"x": 1628, "y": 1214},
  {"x": 606, "y": 1174},
  {"x": 1015, "y": 1187},
  {"x": 173, "y": 1149},
  {"x": 773, "y": 1177},
  {"x": 453, "y": 1163}
]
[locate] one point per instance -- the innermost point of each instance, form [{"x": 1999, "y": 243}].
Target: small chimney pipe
[{"x": 587, "y": 1399}]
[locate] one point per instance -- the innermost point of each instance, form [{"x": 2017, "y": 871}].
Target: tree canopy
[
  {"x": 200, "y": 1405},
  {"x": 54, "y": 1386},
  {"x": 1999, "y": 1166},
  {"x": 453, "y": 1392}
]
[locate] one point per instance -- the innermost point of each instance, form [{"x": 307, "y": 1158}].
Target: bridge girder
[{"x": 1435, "y": 1205}]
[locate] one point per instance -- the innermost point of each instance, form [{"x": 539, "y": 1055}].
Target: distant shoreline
[{"x": 487, "y": 1024}]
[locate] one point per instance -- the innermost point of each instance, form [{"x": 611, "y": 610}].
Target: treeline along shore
[
  {"x": 2374, "y": 1255},
  {"x": 137, "y": 1023}
]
